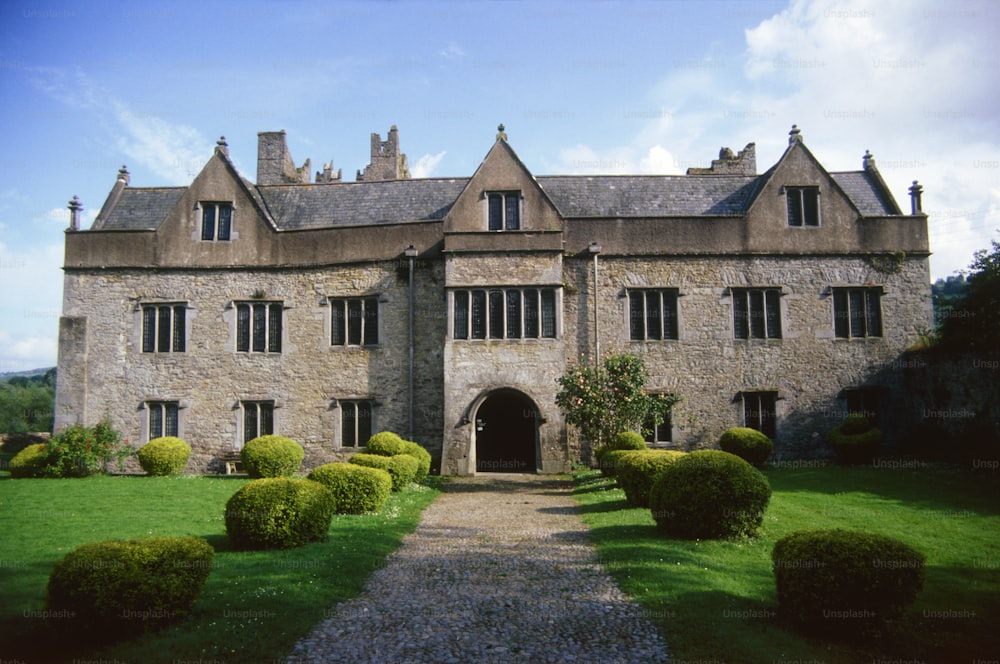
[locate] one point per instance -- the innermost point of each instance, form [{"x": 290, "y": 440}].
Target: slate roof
[
  {"x": 649, "y": 195},
  {"x": 318, "y": 206},
  {"x": 144, "y": 208},
  {"x": 866, "y": 193},
  {"x": 397, "y": 201}
]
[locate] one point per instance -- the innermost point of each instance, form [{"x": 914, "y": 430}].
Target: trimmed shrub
[
  {"x": 385, "y": 443},
  {"x": 164, "y": 456},
  {"x": 748, "y": 444},
  {"x": 625, "y": 441},
  {"x": 836, "y": 581},
  {"x": 636, "y": 470},
  {"x": 122, "y": 587},
  {"x": 422, "y": 456},
  {"x": 29, "y": 462},
  {"x": 271, "y": 456},
  {"x": 855, "y": 441},
  {"x": 709, "y": 494},
  {"x": 279, "y": 513},
  {"x": 402, "y": 467},
  {"x": 356, "y": 489}
]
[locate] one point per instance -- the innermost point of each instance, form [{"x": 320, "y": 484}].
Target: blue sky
[{"x": 582, "y": 87}]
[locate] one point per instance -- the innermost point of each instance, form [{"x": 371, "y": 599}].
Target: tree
[
  {"x": 973, "y": 324},
  {"x": 602, "y": 401}
]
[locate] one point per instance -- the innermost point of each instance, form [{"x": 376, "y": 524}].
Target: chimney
[
  {"x": 868, "y": 161},
  {"x": 916, "y": 191},
  {"x": 222, "y": 146},
  {"x": 274, "y": 163},
  {"x": 387, "y": 163},
  {"x": 75, "y": 212}
]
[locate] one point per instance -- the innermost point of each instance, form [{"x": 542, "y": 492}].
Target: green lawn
[
  {"x": 255, "y": 605},
  {"x": 715, "y": 600}
]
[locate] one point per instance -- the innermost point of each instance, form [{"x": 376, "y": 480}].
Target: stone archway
[{"x": 506, "y": 433}]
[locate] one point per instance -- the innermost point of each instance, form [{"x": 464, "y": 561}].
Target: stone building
[{"x": 445, "y": 308}]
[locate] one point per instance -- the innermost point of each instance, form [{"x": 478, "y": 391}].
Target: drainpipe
[
  {"x": 411, "y": 253},
  {"x": 595, "y": 249}
]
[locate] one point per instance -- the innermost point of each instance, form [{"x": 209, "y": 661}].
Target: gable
[
  {"x": 179, "y": 237},
  {"x": 502, "y": 171},
  {"x": 768, "y": 226}
]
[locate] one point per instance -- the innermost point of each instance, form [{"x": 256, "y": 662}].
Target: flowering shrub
[{"x": 79, "y": 451}]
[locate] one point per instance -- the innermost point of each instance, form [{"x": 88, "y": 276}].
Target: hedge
[
  {"x": 271, "y": 456},
  {"x": 748, "y": 444},
  {"x": 636, "y": 470},
  {"x": 164, "y": 456},
  {"x": 279, "y": 513},
  {"x": 356, "y": 489},
  {"x": 402, "y": 467}
]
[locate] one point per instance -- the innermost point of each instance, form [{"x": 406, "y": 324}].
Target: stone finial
[
  {"x": 868, "y": 161},
  {"x": 222, "y": 146},
  {"x": 795, "y": 135},
  {"x": 123, "y": 175},
  {"x": 916, "y": 205},
  {"x": 501, "y": 134},
  {"x": 75, "y": 212}
]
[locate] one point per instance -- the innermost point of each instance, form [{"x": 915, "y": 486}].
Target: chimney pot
[
  {"x": 916, "y": 205},
  {"x": 75, "y": 212}
]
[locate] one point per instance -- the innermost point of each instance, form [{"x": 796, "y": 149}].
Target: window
[
  {"x": 759, "y": 411},
  {"x": 652, "y": 314},
  {"x": 258, "y": 327},
  {"x": 163, "y": 328},
  {"x": 162, "y": 418},
  {"x": 216, "y": 221},
  {"x": 505, "y": 313},
  {"x": 354, "y": 322},
  {"x": 757, "y": 313},
  {"x": 863, "y": 401},
  {"x": 258, "y": 419},
  {"x": 355, "y": 423},
  {"x": 803, "y": 206},
  {"x": 504, "y": 210},
  {"x": 661, "y": 433},
  {"x": 857, "y": 312}
]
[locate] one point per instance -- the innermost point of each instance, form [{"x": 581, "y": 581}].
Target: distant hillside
[{"x": 33, "y": 373}]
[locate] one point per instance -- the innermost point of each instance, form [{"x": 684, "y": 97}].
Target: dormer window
[
  {"x": 216, "y": 222},
  {"x": 803, "y": 206},
  {"x": 504, "y": 210}
]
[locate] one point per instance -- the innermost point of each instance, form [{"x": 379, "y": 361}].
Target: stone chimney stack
[
  {"x": 75, "y": 212},
  {"x": 387, "y": 163},
  {"x": 916, "y": 192},
  {"x": 743, "y": 163},
  {"x": 868, "y": 161},
  {"x": 275, "y": 164},
  {"x": 795, "y": 135}
]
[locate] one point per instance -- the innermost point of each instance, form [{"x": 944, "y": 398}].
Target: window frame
[
  {"x": 756, "y": 313},
  {"x": 858, "y": 306},
  {"x": 668, "y": 302},
  {"x": 162, "y": 410},
  {"x": 802, "y": 206},
  {"x": 153, "y": 335},
  {"x": 868, "y": 398},
  {"x": 653, "y": 439},
  {"x": 762, "y": 419},
  {"x": 214, "y": 232},
  {"x": 342, "y": 331},
  {"x": 258, "y": 335},
  {"x": 484, "y": 313},
  {"x": 356, "y": 406},
  {"x": 260, "y": 407},
  {"x": 499, "y": 206}
]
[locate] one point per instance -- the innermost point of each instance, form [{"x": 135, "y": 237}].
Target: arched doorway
[{"x": 506, "y": 434}]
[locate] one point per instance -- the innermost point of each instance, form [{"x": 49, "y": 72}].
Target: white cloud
[
  {"x": 425, "y": 165},
  {"x": 31, "y": 281},
  {"x": 452, "y": 52}
]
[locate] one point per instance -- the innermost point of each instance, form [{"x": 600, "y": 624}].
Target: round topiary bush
[
  {"x": 636, "y": 470},
  {"x": 709, "y": 494},
  {"x": 356, "y": 489},
  {"x": 839, "y": 581},
  {"x": 29, "y": 462},
  {"x": 164, "y": 456},
  {"x": 422, "y": 456},
  {"x": 279, "y": 513},
  {"x": 385, "y": 443},
  {"x": 402, "y": 467},
  {"x": 855, "y": 441},
  {"x": 748, "y": 444},
  {"x": 119, "y": 588},
  {"x": 271, "y": 456},
  {"x": 625, "y": 441}
]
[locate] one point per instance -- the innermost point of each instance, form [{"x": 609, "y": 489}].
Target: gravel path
[{"x": 498, "y": 570}]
